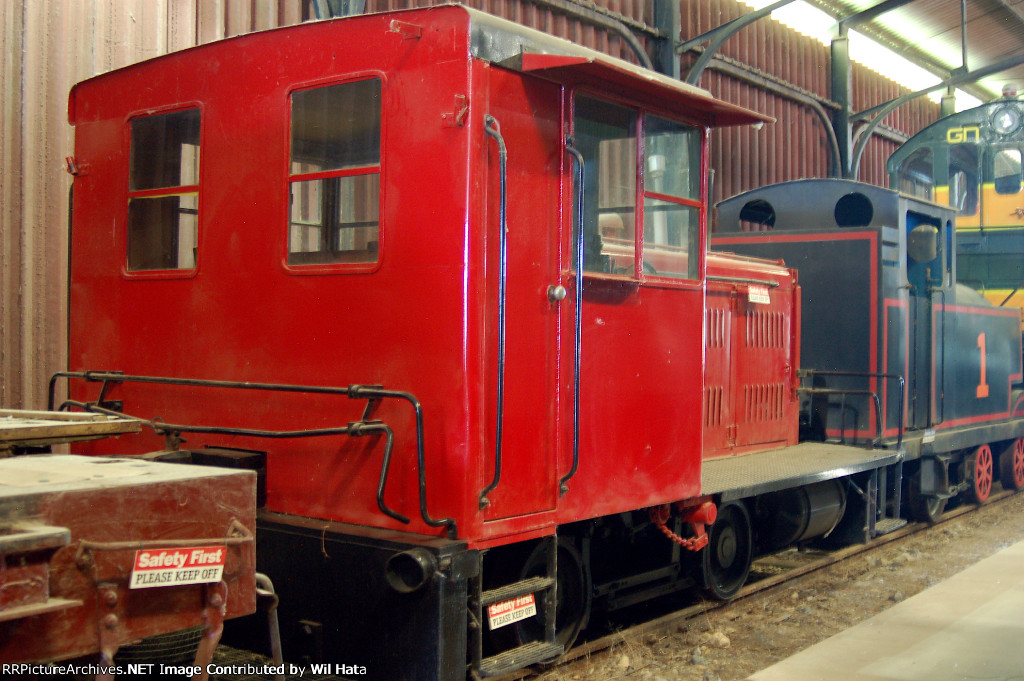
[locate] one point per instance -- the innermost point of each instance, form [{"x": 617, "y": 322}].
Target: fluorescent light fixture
[{"x": 814, "y": 23}]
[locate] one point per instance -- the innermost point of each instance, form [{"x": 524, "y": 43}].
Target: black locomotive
[{"x": 883, "y": 317}]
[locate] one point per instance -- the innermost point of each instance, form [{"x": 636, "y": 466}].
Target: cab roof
[{"x": 510, "y": 45}]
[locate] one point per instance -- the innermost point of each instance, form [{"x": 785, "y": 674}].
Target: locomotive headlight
[{"x": 1006, "y": 120}]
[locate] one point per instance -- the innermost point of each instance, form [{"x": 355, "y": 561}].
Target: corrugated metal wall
[
  {"x": 797, "y": 145},
  {"x": 45, "y": 48},
  {"x": 48, "y": 45}
]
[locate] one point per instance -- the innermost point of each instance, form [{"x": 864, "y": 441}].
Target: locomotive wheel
[
  {"x": 725, "y": 561},
  {"x": 924, "y": 508},
  {"x": 1011, "y": 465},
  {"x": 979, "y": 474},
  {"x": 574, "y": 598},
  {"x": 927, "y": 509}
]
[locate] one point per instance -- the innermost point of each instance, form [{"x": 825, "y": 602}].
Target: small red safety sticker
[
  {"x": 512, "y": 610},
  {"x": 174, "y": 567},
  {"x": 758, "y": 294}
]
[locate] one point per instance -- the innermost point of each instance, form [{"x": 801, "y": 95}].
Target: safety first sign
[
  {"x": 758, "y": 294},
  {"x": 512, "y": 610},
  {"x": 174, "y": 567}
]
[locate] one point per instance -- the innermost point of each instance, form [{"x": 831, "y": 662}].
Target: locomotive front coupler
[{"x": 696, "y": 512}]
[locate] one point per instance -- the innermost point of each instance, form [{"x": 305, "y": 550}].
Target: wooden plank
[
  {"x": 55, "y": 415},
  {"x": 29, "y": 428}
]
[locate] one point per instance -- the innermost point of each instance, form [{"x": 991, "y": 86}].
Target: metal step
[
  {"x": 888, "y": 525},
  {"x": 527, "y": 586},
  {"x": 517, "y": 658}
]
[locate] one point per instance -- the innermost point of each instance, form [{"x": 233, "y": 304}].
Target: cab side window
[
  {"x": 163, "y": 191},
  {"x": 916, "y": 175},
  {"x": 964, "y": 177},
  {"x": 1006, "y": 171},
  {"x": 334, "y": 177},
  {"x": 668, "y": 201},
  {"x": 671, "y": 198},
  {"x": 606, "y": 138}
]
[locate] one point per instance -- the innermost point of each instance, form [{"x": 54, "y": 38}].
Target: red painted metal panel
[
  {"x": 719, "y": 431},
  {"x": 530, "y": 442},
  {"x": 640, "y": 434},
  {"x": 422, "y": 319},
  {"x": 243, "y": 233},
  {"x": 751, "y": 356}
]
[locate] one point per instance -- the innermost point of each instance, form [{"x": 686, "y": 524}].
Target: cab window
[
  {"x": 666, "y": 211},
  {"x": 334, "y": 178},
  {"x": 1006, "y": 171},
  {"x": 915, "y": 175},
  {"x": 163, "y": 191},
  {"x": 964, "y": 177},
  {"x": 671, "y": 198},
  {"x": 605, "y": 134}
]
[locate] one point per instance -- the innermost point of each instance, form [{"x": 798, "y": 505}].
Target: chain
[{"x": 660, "y": 515}]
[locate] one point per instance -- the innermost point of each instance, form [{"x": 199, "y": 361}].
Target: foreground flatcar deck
[
  {"x": 25, "y": 428},
  {"x": 97, "y": 553}
]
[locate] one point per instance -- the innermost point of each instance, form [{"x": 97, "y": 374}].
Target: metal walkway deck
[{"x": 745, "y": 475}]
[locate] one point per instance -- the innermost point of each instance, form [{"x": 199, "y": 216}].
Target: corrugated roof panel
[{"x": 929, "y": 31}]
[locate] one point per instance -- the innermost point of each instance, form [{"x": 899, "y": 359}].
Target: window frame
[
  {"x": 638, "y": 277},
  {"x": 177, "y": 190},
  {"x": 304, "y": 269},
  {"x": 951, "y": 165},
  {"x": 993, "y": 153},
  {"x": 698, "y": 203}
]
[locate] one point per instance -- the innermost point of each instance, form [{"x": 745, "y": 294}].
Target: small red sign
[
  {"x": 758, "y": 294},
  {"x": 174, "y": 567},
  {"x": 512, "y": 610}
]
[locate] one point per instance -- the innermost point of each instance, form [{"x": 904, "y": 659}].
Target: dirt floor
[{"x": 730, "y": 643}]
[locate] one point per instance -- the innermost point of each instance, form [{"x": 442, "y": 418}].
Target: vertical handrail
[
  {"x": 563, "y": 483},
  {"x": 941, "y": 397},
  {"x": 493, "y": 129}
]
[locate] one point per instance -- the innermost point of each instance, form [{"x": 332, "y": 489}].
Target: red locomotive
[{"x": 450, "y": 294}]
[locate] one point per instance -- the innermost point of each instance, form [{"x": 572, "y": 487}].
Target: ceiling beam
[
  {"x": 909, "y": 52},
  {"x": 719, "y": 35},
  {"x": 871, "y": 13},
  {"x": 883, "y": 110}
]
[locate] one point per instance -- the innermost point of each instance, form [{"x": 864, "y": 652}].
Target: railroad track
[
  {"x": 768, "y": 573},
  {"x": 776, "y": 570}
]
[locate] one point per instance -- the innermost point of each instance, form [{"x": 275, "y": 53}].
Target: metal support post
[{"x": 842, "y": 94}]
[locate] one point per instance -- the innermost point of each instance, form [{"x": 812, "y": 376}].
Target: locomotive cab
[{"x": 971, "y": 161}]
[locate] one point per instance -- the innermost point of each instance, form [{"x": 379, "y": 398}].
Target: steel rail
[{"x": 673, "y": 619}]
